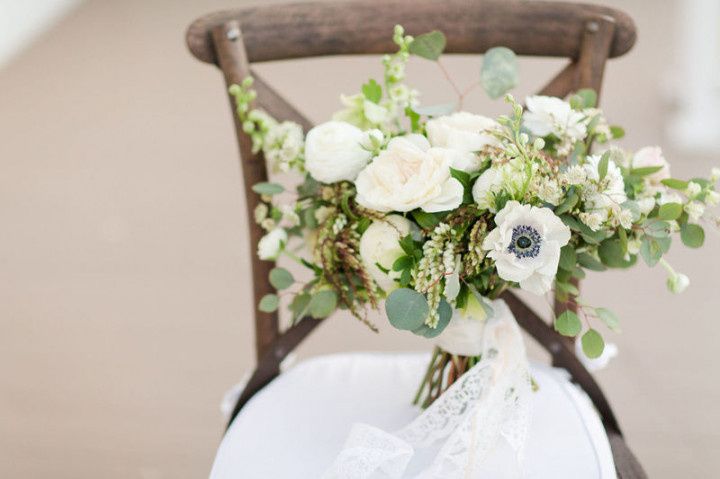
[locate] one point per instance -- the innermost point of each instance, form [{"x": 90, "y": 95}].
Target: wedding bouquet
[{"x": 436, "y": 211}]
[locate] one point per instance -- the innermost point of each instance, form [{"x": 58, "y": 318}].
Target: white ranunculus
[
  {"x": 611, "y": 193},
  {"x": 333, "y": 152},
  {"x": 651, "y": 156},
  {"x": 526, "y": 245},
  {"x": 488, "y": 184},
  {"x": 271, "y": 245},
  {"x": 410, "y": 174},
  {"x": 547, "y": 115},
  {"x": 465, "y": 132},
  {"x": 380, "y": 245},
  {"x": 596, "y": 364}
]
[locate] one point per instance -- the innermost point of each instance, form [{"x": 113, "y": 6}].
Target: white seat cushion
[{"x": 296, "y": 425}]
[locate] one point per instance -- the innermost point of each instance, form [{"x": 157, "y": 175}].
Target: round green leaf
[
  {"x": 670, "y": 211},
  {"x": 281, "y": 278},
  {"x": 692, "y": 235},
  {"x": 267, "y": 188},
  {"x": 428, "y": 45},
  {"x": 445, "y": 314},
  {"x": 499, "y": 71},
  {"x": 269, "y": 303},
  {"x": 568, "y": 324},
  {"x": 568, "y": 257},
  {"x": 592, "y": 344},
  {"x": 322, "y": 304},
  {"x": 406, "y": 309}
]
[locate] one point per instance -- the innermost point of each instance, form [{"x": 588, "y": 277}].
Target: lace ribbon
[{"x": 488, "y": 403}]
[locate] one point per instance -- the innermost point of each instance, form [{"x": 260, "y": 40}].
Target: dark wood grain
[{"x": 302, "y": 30}]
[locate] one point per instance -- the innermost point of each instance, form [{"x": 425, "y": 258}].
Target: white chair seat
[{"x": 296, "y": 425}]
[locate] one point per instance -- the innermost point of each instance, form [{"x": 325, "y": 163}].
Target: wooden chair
[{"x": 587, "y": 35}]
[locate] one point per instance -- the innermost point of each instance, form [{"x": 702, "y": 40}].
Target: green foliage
[
  {"x": 609, "y": 318},
  {"x": 269, "y": 303},
  {"x": 652, "y": 249},
  {"x": 570, "y": 201},
  {"x": 670, "y": 211},
  {"x": 584, "y": 98},
  {"x": 586, "y": 260},
  {"x": 675, "y": 184},
  {"x": 657, "y": 228},
  {"x": 424, "y": 219},
  {"x": 322, "y": 304},
  {"x": 692, "y": 235},
  {"x": 281, "y": 278},
  {"x": 612, "y": 254},
  {"x": 266, "y": 188},
  {"x": 592, "y": 344},
  {"x": 372, "y": 91},
  {"x": 499, "y": 72},
  {"x": 617, "y": 132},
  {"x": 299, "y": 305},
  {"x": 428, "y": 45},
  {"x": 568, "y": 257},
  {"x": 568, "y": 324},
  {"x": 406, "y": 309},
  {"x": 603, "y": 165},
  {"x": 444, "y": 314}
]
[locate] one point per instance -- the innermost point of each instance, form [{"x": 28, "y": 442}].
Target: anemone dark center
[{"x": 525, "y": 242}]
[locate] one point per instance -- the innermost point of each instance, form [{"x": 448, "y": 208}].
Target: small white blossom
[
  {"x": 322, "y": 214},
  {"x": 261, "y": 212},
  {"x": 715, "y": 174},
  {"x": 592, "y": 220},
  {"x": 608, "y": 193},
  {"x": 712, "y": 198},
  {"x": 290, "y": 216},
  {"x": 547, "y": 115},
  {"x": 651, "y": 156},
  {"x": 271, "y": 245},
  {"x": 646, "y": 205},
  {"x": 575, "y": 175},
  {"x": 625, "y": 218},
  {"x": 633, "y": 246},
  {"x": 695, "y": 210},
  {"x": 678, "y": 282},
  {"x": 549, "y": 191},
  {"x": 693, "y": 189}
]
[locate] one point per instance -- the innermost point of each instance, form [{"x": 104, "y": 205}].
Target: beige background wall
[{"x": 124, "y": 280}]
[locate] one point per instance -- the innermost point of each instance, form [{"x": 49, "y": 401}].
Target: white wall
[{"x": 21, "y": 21}]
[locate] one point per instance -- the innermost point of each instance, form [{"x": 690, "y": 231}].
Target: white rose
[
  {"x": 380, "y": 245},
  {"x": 547, "y": 115},
  {"x": 596, "y": 364},
  {"x": 526, "y": 245},
  {"x": 651, "y": 156},
  {"x": 465, "y": 132},
  {"x": 333, "y": 152},
  {"x": 410, "y": 174},
  {"x": 271, "y": 245},
  {"x": 488, "y": 184}
]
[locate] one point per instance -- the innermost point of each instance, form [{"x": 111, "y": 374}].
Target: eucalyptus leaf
[
  {"x": 299, "y": 305},
  {"x": 670, "y": 211},
  {"x": 592, "y": 344},
  {"x": 281, "y": 278},
  {"x": 612, "y": 254},
  {"x": 322, "y": 304},
  {"x": 568, "y": 257},
  {"x": 428, "y": 45},
  {"x": 568, "y": 324},
  {"x": 692, "y": 235},
  {"x": 499, "y": 71},
  {"x": 269, "y": 303},
  {"x": 444, "y": 317},
  {"x": 588, "y": 261},
  {"x": 406, "y": 309},
  {"x": 266, "y": 188}
]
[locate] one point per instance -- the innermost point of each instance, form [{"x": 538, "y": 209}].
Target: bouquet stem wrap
[{"x": 490, "y": 403}]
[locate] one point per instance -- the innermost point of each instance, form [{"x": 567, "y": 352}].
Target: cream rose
[
  {"x": 334, "y": 152},
  {"x": 410, "y": 174},
  {"x": 651, "y": 156},
  {"x": 464, "y": 132},
  {"x": 380, "y": 245}
]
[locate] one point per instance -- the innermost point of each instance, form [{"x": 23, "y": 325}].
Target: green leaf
[
  {"x": 651, "y": 250},
  {"x": 299, "y": 305},
  {"x": 428, "y": 45},
  {"x": 692, "y": 235},
  {"x": 612, "y": 254},
  {"x": 609, "y": 318},
  {"x": 372, "y": 91},
  {"x": 406, "y": 309},
  {"x": 499, "y": 71},
  {"x": 567, "y": 288},
  {"x": 281, "y": 278},
  {"x": 435, "y": 110},
  {"x": 568, "y": 257},
  {"x": 646, "y": 170},
  {"x": 675, "y": 184},
  {"x": 424, "y": 219},
  {"x": 586, "y": 260},
  {"x": 592, "y": 344},
  {"x": 657, "y": 228},
  {"x": 603, "y": 165},
  {"x": 403, "y": 262},
  {"x": 269, "y": 303},
  {"x": 267, "y": 188},
  {"x": 407, "y": 244},
  {"x": 568, "y": 203},
  {"x": 568, "y": 324},
  {"x": 585, "y": 98},
  {"x": 414, "y": 118},
  {"x": 670, "y": 211},
  {"x": 444, "y": 314},
  {"x": 322, "y": 304},
  {"x": 617, "y": 132}
]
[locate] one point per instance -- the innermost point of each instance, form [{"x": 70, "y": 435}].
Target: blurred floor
[{"x": 125, "y": 305}]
